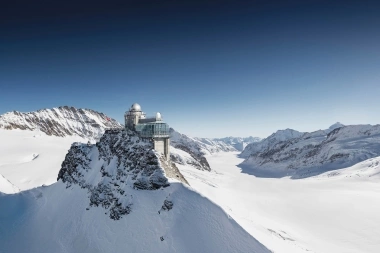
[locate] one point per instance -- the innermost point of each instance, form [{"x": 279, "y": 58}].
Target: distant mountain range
[
  {"x": 284, "y": 153},
  {"x": 198, "y": 148},
  {"x": 61, "y": 121},
  {"x": 292, "y": 153},
  {"x": 239, "y": 143},
  {"x": 89, "y": 124}
]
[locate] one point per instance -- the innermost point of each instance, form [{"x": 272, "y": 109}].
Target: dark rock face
[
  {"x": 61, "y": 121},
  {"x": 168, "y": 205},
  {"x": 111, "y": 169}
]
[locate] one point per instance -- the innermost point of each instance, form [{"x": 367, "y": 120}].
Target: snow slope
[
  {"x": 192, "y": 150},
  {"x": 314, "y": 153},
  {"x": 114, "y": 197},
  {"x": 270, "y": 142},
  {"x": 6, "y": 186},
  {"x": 198, "y": 145},
  {"x": 31, "y": 158},
  {"x": 282, "y": 136},
  {"x": 321, "y": 214},
  {"x": 366, "y": 171},
  {"x": 61, "y": 121},
  {"x": 33, "y": 145}
]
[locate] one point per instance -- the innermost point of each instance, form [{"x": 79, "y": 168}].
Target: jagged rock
[
  {"x": 168, "y": 205},
  {"x": 118, "y": 162}
]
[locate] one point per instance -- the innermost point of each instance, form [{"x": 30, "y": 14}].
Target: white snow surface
[
  {"x": 327, "y": 213},
  {"x": 55, "y": 219},
  {"x": 30, "y": 159},
  {"x": 6, "y": 186},
  {"x": 107, "y": 178}
]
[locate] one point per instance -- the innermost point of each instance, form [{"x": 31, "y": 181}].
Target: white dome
[
  {"x": 158, "y": 116},
  {"x": 136, "y": 107}
]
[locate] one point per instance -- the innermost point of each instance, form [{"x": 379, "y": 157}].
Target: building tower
[
  {"x": 151, "y": 128},
  {"x": 133, "y": 116}
]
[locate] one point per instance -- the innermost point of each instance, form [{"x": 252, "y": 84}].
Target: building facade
[{"x": 152, "y": 128}]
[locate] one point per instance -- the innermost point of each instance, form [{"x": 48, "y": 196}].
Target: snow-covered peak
[
  {"x": 271, "y": 141},
  {"x": 336, "y": 125},
  {"x": 60, "y": 121},
  {"x": 199, "y": 145},
  {"x": 283, "y": 135},
  {"x": 239, "y": 143},
  {"x": 315, "y": 153}
]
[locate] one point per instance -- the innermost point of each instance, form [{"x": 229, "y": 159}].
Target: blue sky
[{"x": 212, "y": 69}]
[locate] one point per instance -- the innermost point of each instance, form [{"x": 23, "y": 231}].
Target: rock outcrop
[{"x": 119, "y": 161}]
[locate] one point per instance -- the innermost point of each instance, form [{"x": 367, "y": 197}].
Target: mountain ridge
[
  {"x": 60, "y": 121},
  {"x": 313, "y": 153}
]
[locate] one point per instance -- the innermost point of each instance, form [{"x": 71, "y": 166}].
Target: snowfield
[
  {"x": 55, "y": 219},
  {"x": 323, "y": 214},
  {"x": 114, "y": 197},
  {"x": 7, "y": 187},
  {"x": 30, "y": 159}
]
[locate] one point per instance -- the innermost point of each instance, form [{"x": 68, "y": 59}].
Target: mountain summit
[{"x": 61, "y": 121}]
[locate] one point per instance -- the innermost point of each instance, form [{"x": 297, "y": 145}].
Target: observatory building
[{"x": 152, "y": 128}]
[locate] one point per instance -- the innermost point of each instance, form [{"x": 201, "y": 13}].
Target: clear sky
[{"x": 212, "y": 68}]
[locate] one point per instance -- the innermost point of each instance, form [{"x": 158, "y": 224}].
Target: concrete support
[{"x": 161, "y": 145}]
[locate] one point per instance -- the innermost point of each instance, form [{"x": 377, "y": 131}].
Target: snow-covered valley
[
  {"x": 115, "y": 196},
  {"x": 318, "y": 214},
  {"x": 115, "y": 193}
]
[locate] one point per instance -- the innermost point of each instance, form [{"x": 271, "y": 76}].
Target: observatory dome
[
  {"x": 136, "y": 107},
  {"x": 158, "y": 116}
]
